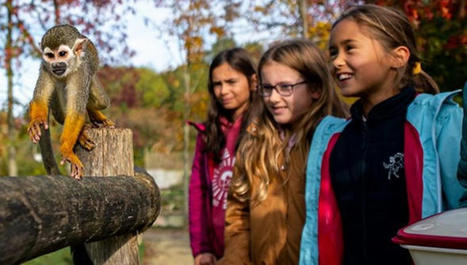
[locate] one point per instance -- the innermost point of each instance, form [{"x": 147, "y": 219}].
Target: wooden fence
[{"x": 101, "y": 214}]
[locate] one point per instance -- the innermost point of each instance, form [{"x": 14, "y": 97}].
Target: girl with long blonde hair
[{"x": 266, "y": 206}]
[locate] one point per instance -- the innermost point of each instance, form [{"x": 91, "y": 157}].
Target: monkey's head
[{"x": 62, "y": 49}]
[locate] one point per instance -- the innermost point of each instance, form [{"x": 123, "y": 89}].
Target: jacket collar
[{"x": 393, "y": 106}]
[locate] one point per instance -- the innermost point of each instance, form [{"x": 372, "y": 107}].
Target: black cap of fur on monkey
[{"x": 58, "y": 35}]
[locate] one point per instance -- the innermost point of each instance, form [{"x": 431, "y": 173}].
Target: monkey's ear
[{"x": 79, "y": 45}]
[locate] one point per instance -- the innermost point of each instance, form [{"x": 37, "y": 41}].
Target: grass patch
[{"x": 59, "y": 257}]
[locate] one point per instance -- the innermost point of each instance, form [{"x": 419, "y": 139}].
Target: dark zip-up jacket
[
  {"x": 367, "y": 174},
  {"x": 432, "y": 135}
]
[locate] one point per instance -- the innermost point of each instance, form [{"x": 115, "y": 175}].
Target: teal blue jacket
[{"x": 433, "y": 129}]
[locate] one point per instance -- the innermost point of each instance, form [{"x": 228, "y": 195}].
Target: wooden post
[{"x": 112, "y": 156}]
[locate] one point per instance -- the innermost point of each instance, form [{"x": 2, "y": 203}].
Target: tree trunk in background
[
  {"x": 302, "y": 8},
  {"x": 462, "y": 9},
  {"x": 57, "y": 12},
  {"x": 11, "y": 153},
  {"x": 186, "y": 137}
]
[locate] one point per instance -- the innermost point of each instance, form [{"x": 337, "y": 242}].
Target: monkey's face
[
  {"x": 57, "y": 60},
  {"x": 63, "y": 60}
]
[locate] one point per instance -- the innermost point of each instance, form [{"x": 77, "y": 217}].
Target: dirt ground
[{"x": 166, "y": 247}]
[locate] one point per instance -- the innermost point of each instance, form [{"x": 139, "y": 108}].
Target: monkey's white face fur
[{"x": 64, "y": 60}]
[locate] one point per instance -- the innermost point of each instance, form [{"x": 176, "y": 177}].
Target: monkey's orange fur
[
  {"x": 38, "y": 111},
  {"x": 74, "y": 122}
]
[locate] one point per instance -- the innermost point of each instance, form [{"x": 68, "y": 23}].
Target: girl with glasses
[
  {"x": 232, "y": 80},
  {"x": 266, "y": 205}
]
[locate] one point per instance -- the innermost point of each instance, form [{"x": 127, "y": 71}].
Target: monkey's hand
[
  {"x": 85, "y": 140},
  {"x": 34, "y": 129},
  {"x": 75, "y": 163}
]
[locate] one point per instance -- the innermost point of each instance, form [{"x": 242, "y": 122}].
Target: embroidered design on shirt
[
  {"x": 396, "y": 162},
  {"x": 221, "y": 180}
]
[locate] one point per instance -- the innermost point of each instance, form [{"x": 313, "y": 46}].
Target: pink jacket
[{"x": 206, "y": 208}]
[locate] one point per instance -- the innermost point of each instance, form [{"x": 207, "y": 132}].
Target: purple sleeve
[{"x": 198, "y": 200}]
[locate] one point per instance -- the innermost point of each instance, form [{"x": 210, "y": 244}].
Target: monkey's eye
[
  {"x": 62, "y": 53},
  {"x": 49, "y": 55}
]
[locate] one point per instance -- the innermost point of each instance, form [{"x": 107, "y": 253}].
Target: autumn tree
[
  {"x": 440, "y": 28},
  {"x": 303, "y": 18},
  {"x": 101, "y": 21},
  {"x": 140, "y": 92},
  {"x": 12, "y": 43},
  {"x": 193, "y": 23}
]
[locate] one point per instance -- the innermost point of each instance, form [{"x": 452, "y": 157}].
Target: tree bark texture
[
  {"x": 112, "y": 156},
  {"x": 41, "y": 214}
]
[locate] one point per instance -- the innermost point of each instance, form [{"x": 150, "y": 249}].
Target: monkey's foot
[
  {"x": 99, "y": 120},
  {"x": 103, "y": 123},
  {"x": 84, "y": 139},
  {"x": 76, "y": 172},
  {"x": 34, "y": 129},
  {"x": 76, "y": 165}
]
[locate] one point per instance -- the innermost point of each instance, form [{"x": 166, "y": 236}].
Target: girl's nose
[
  {"x": 338, "y": 61},
  {"x": 275, "y": 96},
  {"x": 222, "y": 89}
]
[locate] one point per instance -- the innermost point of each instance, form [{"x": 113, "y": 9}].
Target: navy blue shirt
[{"x": 368, "y": 177}]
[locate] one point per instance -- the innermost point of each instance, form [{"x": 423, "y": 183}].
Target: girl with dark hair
[
  {"x": 395, "y": 161},
  {"x": 232, "y": 82}
]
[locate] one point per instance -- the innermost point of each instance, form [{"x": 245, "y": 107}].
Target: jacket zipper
[{"x": 364, "y": 148}]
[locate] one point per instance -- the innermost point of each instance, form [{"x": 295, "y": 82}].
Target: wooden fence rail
[{"x": 41, "y": 214}]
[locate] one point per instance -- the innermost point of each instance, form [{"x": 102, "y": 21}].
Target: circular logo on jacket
[{"x": 221, "y": 180}]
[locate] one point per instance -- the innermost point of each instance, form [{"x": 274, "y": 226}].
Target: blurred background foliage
[{"x": 155, "y": 105}]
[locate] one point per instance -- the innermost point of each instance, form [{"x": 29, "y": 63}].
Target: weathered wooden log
[
  {"x": 41, "y": 214},
  {"x": 112, "y": 155}
]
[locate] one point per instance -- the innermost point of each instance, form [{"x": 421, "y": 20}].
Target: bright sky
[{"x": 151, "y": 51}]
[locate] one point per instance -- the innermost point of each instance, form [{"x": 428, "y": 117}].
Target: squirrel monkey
[{"x": 68, "y": 86}]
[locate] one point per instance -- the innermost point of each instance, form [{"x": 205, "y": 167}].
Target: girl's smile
[{"x": 360, "y": 64}]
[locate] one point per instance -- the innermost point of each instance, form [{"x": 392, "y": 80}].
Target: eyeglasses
[{"x": 283, "y": 89}]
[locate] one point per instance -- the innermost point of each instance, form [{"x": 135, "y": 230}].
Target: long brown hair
[
  {"x": 238, "y": 59},
  {"x": 391, "y": 28},
  {"x": 257, "y": 159}
]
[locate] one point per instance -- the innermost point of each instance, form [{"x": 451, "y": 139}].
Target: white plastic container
[{"x": 437, "y": 240}]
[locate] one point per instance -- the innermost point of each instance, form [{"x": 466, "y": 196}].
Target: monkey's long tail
[{"x": 47, "y": 153}]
